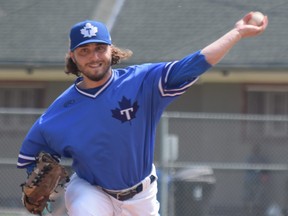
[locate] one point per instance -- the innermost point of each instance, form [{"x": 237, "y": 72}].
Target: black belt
[{"x": 122, "y": 196}]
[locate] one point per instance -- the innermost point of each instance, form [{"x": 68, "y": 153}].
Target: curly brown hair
[{"x": 118, "y": 54}]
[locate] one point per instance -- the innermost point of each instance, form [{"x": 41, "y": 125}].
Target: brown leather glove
[{"x": 42, "y": 182}]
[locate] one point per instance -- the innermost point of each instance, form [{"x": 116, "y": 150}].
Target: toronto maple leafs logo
[
  {"x": 89, "y": 30},
  {"x": 126, "y": 111}
]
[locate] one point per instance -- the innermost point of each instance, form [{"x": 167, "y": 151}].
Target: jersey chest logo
[{"x": 126, "y": 111}]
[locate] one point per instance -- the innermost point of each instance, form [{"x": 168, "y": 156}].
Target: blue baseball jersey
[{"x": 109, "y": 132}]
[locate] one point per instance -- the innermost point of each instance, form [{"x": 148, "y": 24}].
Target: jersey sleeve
[
  {"x": 33, "y": 143},
  {"x": 179, "y": 75}
]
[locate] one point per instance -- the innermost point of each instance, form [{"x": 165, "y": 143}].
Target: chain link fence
[
  {"x": 223, "y": 164},
  {"x": 208, "y": 164}
]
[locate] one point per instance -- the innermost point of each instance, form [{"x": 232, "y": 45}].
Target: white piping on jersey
[
  {"x": 23, "y": 164},
  {"x": 26, "y": 157},
  {"x": 98, "y": 92},
  {"x": 28, "y": 160},
  {"x": 172, "y": 92},
  {"x": 169, "y": 65}
]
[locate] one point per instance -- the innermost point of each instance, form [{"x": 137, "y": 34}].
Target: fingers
[
  {"x": 265, "y": 22},
  {"x": 260, "y": 29},
  {"x": 247, "y": 17},
  {"x": 248, "y": 30}
]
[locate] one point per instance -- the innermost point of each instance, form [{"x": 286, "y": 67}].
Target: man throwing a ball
[{"x": 106, "y": 120}]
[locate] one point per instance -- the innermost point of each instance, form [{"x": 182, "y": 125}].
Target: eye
[
  {"x": 84, "y": 51},
  {"x": 101, "y": 48}
]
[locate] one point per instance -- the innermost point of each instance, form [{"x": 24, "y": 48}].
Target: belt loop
[
  {"x": 148, "y": 181},
  {"x": 152, "y": 179}
]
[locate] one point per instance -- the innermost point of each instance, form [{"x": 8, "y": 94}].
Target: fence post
[{"x": 164, "y": 132}]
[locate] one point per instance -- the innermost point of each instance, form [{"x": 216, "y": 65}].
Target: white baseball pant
[{"x": 84, "y": 199}]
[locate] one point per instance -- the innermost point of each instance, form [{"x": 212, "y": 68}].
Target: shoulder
[
  {"x": 64, "y": 100},
  {"x": 140, "y": 69}
]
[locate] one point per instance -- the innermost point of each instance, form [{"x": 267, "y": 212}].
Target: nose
[{"x": 95, "y": 55}]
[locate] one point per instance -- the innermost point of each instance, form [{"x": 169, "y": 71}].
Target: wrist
[{"x": 236, "y": 34}]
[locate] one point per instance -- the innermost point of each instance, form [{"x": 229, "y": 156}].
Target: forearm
[
  {"x": 218, "y": 49},
  {"x": 242, "y": 29}
]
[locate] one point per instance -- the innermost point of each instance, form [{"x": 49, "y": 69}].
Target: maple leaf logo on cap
[{"x": 89, "y": 30}]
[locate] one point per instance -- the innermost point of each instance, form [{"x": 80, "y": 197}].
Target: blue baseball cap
[{"x": 88, "y": 31}]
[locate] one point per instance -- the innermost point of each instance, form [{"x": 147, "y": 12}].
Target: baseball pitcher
[{"x": 106, "y": 120}]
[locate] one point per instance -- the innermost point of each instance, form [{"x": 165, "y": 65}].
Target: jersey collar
[{"x": 98, "y": 90}]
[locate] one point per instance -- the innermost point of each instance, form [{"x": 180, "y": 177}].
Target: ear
[{"x": 72, "y": 56}]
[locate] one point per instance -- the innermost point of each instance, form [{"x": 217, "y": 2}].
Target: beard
[
  {"x": 96, "y": 77},
  {"x": 92, "y": 75}
]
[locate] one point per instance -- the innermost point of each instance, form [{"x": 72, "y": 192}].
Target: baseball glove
[{"x": 47, "y": 175}]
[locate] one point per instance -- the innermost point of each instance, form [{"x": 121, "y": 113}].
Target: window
[
  {"x": 269, "y": 101},
  {"x": 19, "y": 96}
]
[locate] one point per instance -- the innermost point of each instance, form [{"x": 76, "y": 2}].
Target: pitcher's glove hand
[{"x": 42, "y": 182}]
